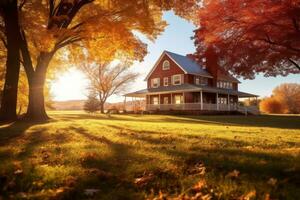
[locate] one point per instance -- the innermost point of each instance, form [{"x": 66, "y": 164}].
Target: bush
[
  {"x": 92, "y": 104},
  {"x": 271, "y": 105}
]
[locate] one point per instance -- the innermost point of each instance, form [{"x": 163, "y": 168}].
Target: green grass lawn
[{"x": 81, "y": 156}]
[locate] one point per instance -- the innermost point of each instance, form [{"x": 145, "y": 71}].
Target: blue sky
[{"x": 176, "y": 38}]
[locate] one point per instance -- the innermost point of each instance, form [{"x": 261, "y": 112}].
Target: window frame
[
  {"x": 166, "y": 100},
  {"x": 152, "y": 82},
  {"x": 180, "y": 79},
  {"x": 155, "y": 100},
  {"x": 180, "y": 99},
  {"x": 166, "y": 81},
  {"x": 166, "y": 63}
]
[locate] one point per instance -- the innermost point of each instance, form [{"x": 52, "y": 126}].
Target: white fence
[
  {"x": 205, "y": 106},
  {"x": 191, "y": 106}
]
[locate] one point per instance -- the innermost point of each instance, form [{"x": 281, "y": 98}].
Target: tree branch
[
  {"x": 27, "y": 62},
  {"x": 22, "y": 4},
  {"x": 294, "y": 63}
]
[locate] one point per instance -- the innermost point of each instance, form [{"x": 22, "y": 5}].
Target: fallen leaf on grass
[
  {"x": 267, "y": 196},
  {"x": 91, "y": 192},
  {"x": 144, "y": 179},
  {"x": 70, "y": 181},
  {"x": 272, "y": 181},
  {"x": 11, "y": 185},
  {"x": 248, "y": 196},
  {"x": 100, "y": 173},
  {"x": 18, "y": 172},
  {"x": 234, "y": 174},
  {"x": 200, "y": 185}
]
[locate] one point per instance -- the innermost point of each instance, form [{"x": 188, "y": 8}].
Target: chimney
[{"x": 212, "y": 64}]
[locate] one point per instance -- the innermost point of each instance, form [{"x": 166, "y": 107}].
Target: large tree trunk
[
  {"x": 10, "y": 91},
  {"x": 102, "y": 107},
  {"x": 36, "y": 108}
]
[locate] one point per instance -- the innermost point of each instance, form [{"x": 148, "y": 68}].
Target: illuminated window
[
  {"x": 155, "y": 100},
  {"x": 178, "y": 99}
]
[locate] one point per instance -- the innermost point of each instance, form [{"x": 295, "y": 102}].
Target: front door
[{"x": 166, "y": 100}]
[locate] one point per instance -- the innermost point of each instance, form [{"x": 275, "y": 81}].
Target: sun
[{"x": 71, "y": 85}]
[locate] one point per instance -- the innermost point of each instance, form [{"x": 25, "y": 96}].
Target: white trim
[
  {"x": 158, "y": 61},
  {"x": 166, "y": 80},
  {"x": 181, "y": 77},
  {"x": 152, "y": 80},
  {"x": 164, "y": 63}
]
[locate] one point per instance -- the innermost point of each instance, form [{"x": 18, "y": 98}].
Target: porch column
[
  {"x": 183, "y": 100},
  {"x": 217, "y": 97},
  {"x": 201, "y": 100},
  {"x": 228, "y": 98},
  {"x": 171, "y": 98},
  {"x": 159, "y": 101}
]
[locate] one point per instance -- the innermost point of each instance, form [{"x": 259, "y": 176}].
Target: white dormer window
[
  {"x": 197, "y": 81},
  {"x": 155, "y": 82},
  {"x": 166, "y": 65},
  {"x": 176, "y": 79},
  {"x": 166, "y": 81}
]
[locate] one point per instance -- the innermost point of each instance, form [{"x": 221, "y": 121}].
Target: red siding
[
  {"x": 189, "y": 78},
  {"x": 160, "y": 73}
]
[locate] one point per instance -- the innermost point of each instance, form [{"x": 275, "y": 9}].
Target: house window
[
  {"x": 176, "y": 79},
  {"x": 166, "y": 100},
  {"x": 197, "y": 81},
  {"x": 224, "y": 84},
  {"x": 166, "y": 81},
  {"x": 155, "y": 82},
  {"x": 155, "y": 100},
  {"x": 201, "y": 81},
  {"x": 222, "y": 100},
  {"x": 178, "y": 99},
  {"x": 166, "y": 65}
]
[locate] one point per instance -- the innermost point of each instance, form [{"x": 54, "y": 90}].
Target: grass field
[{"x": 81, "y": 156}]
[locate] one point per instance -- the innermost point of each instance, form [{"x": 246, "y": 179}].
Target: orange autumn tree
[
  {"x": 50, "y": 26},
  {"x": 285, "y": 98},
  {"x": 251, "y": 36}
]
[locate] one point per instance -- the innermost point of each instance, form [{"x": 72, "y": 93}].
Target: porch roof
[{"x": 187, "y": 88}]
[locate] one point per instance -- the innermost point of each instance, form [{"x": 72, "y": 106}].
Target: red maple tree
[{"x": 251, "y": 36}]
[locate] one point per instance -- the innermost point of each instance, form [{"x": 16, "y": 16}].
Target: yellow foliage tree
[{"x": 98, "y": 26}]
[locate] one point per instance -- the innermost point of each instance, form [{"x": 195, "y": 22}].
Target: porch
[
  {"x": 193, "y": 98},
  {"x": 191, "y": 106}
]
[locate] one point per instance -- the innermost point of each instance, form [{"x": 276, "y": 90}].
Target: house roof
[
  {"x": 188, "y": 65},
  {"x": 227, "y": 77},
  {"x": 185, "y": 63},
  {"x": 188, "y": 88}
]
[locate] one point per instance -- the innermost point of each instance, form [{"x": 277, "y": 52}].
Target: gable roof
[
  {"x": 227, "y": 77},
  {"x": 187, "y": 65}
]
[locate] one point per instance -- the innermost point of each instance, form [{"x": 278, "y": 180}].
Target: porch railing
[{"x": 192, "y": 106}]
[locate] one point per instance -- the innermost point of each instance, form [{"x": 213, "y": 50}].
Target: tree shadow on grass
[
  {"x": 271, "y": 121},
  {"x": 224, "y": 155},
  {"x": 13, "y": 130},
  {"x": 109, "y": 173}
]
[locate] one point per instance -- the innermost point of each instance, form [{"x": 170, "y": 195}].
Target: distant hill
[
  {"x": 78, "y": 105},
  {"x": 68, "y": 105}
]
